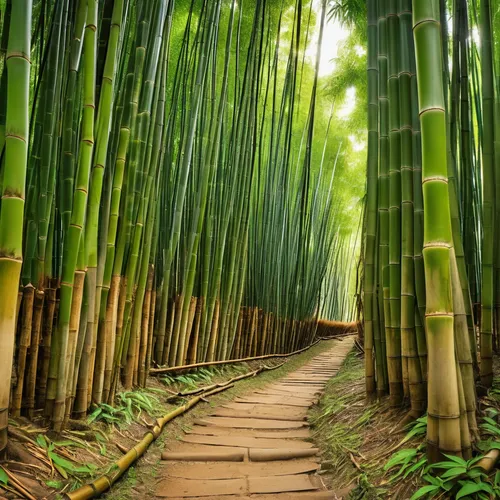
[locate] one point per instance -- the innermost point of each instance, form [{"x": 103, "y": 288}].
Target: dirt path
[{"x": 256, "y": 446}]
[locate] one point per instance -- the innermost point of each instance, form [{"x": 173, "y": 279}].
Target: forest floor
[
  {"x": 44, "y": 466},
  {"x": 367, "y": 453},
  {"x": 358, "y": 440}
]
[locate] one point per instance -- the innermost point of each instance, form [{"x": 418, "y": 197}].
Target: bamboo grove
[
  {"x": 166, "y": 196},
  {"x": 431, "y": 247}
]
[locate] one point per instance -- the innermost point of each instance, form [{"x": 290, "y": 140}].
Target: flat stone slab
[
  {"x": 303, "y": 383},
  {"x": 213, "y": 454},
  {"x": 266, "y": 409},
  {"x": 275, "y": 400},
  {"x": 311, "y": 495},
  {"x": 245, "y": 442},
  {"x": 309, "y": 378},
  {"x": 297, "y": 495},
  {"x": 298, "y": 389},
  {"x": 252, "y": 423},
  {"x": 272, "y": 414},
  {"x": 270, "y": 455},
  {"x": 288, "y": 395},
  {"x": 266, "y": 484},
  {"x": 233, "y": 470},
  {"x": 212, "y": 430},
  {"x": 185, "y": 488},
  {"x": 285, "y": 393}
]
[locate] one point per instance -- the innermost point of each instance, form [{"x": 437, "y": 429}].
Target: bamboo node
[
  {"x": 439, "y": 315},
  {"x": 434, "y": 244},
  {"x": 443, "y": 417},
  {"x": 15, "y": 53},
  {"x": 430, "y": 108},
  {"x": 437, "y": 178},
  {"x": 426, "y": 20}
]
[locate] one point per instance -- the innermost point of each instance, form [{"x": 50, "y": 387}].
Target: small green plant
[
  {"x": 494, "y": 392},
  {"x": 416, "y": 428},
  {"x": 409, "y": 460},
  {"x": 63, "y": 465},
  {"x": 57, "y": 485},
  {"x": 459, "y": 478},
  {"x": 203, "y": 375},
  {"x": 137, "y": 402},
  {"x": 366, "y": 490},
  {"x": 496, "y": 485},
  {"x": 490, "y": 426},
  {"x": 110, "y": 415},
  {"x": 130, "y": 406}
]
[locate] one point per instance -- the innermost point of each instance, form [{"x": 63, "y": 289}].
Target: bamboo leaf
[
  {"x": 455, "y": 472},
  {"x": 470, "y": 488},
  {"x": 424, "y": 491},
  {"x": 457, "y": 460},
  {"x": 4, "y": 479}
]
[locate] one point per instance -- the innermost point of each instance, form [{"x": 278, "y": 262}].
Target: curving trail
[{"x": 258, "y": 445}]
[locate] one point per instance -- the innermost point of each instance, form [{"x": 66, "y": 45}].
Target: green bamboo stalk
[
  {"x": 370, "y": 270},
  {"x": 396, "y": 365},
  {"x": 443, "y": 430},
  {"x": 104, "y": 120},
  {"x": 383, "y": 180},
  {"x": 13, "y": 187},
  {"x": 416, "y": 389},
  {"x": 72, "y": 241},
  {"x": 488, "y": 204}
]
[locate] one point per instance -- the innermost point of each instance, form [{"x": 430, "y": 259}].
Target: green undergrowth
[
  {"x": 453, "y": 477},
  {"x": 204, "y": 375},
  {"x": 338, "y": 430},
  {"x": 367, "y": 454},
  {"x": 156, "y": 401}
]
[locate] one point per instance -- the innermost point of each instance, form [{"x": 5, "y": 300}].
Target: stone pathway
[{"x": 256, "y": 446}]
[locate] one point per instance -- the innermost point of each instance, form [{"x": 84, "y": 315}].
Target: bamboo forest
[{"x": 250, "y": 249}]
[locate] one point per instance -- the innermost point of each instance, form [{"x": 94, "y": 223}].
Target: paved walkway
[{"x": 256, "y": 447}]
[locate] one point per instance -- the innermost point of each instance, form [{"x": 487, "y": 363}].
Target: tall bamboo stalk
[
  {"x": 443, "y": 431},
  {"x": 13, "y": 189},
  {"x": 488, "y": 202}
]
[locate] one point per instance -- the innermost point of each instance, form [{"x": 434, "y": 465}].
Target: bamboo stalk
[{"x": 13, "y": 190}]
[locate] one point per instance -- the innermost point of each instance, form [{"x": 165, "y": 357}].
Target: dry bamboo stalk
[
  {"x": 109, "y": 334},
  {"x": 144, "y": 328},
  {"x": 33, "y": 352},
  {"x": 74, "y": 323},
  {"x": 24, "y": 343},
  {"x": 214, "y": 332},
  {"x": 193, "y": 349},
  {"x": 151, "y": 335},
  {"x": 192, "y": 311},
  {"x": 47, "y": 342}
]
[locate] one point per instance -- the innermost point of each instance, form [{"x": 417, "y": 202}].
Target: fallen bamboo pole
[
  {"x": 173, "y": 369},
  {"x": 337, "y": 336},
  {"x": 104, "y": 482},
  {"x": 230, "y": 381},
  {"x": 489, "y": 460}
]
